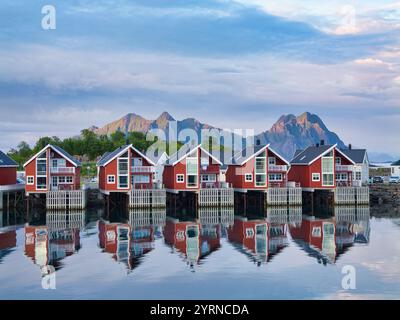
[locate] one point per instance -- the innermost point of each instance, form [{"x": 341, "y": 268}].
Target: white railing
[
  {"x": 143, "y": 169},
  {"x": 62, "y": 169},
  {"x": 274, "y": 167},
  {"x": 340, "y": 167}
]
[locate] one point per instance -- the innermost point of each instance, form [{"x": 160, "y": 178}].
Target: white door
[{"x": 54, "y": 183}]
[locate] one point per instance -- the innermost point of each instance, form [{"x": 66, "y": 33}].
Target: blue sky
[{"x": 230, "y": 63}]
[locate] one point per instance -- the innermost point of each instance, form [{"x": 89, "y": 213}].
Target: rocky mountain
[
  {"x": 289, "y": 133},
  {"x": 292, "y": 132}
]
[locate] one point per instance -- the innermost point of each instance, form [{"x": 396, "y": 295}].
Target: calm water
[{"x": 279, "y": 254}]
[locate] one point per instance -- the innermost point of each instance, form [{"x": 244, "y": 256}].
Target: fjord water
[{"x": 212, "y": 254}]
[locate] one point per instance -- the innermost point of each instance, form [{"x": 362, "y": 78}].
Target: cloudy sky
[{"x": 230, "y": 63}]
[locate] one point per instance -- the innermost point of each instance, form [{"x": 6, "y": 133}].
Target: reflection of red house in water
[
  {"x": 192, "y": 239},
  {"x": 323, "y": 238},
  {"x": 124, "y": 242},
  {"x": 8, "y": 240},
  {"x": 47, "y": 247},
  {"x": 258, "y": 237}
]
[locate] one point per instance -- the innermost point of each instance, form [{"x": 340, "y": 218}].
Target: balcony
[
  {"x": 277, "y": 168},
  {"x": 143, "y": 169},
  {"x": 211, "y": 185},
  {"x": 347, "y": 168},
  {"x": 62, "y": 170}
]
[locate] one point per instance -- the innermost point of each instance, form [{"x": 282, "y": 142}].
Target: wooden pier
[
  {"x": 214, "y": 197},
  {"x": 283, "y": 196},
  {"x": 352, "y": 195},
  {"x": 66, "y": 199},
  {"x": 11, "y": 195},
  {"x": 147, "y": 198}
]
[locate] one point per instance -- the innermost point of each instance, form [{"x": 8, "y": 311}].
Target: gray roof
[
  {"x": 246, "y": 153},
  {"x": 109, "y": 155},
  {"x": 183, "y": 151},
  {"x": 357, "y": 155},
  {"x": 67, "y": 155},
  {"x": 5, "y": 160},
  {"x": 309, "y": 154}
]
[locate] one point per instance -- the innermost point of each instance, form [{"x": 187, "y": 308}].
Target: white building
[
  {"x": 395, "y": 168},
  {"x": 361, "y": 167},
  {"x": 160, "y": 161}
]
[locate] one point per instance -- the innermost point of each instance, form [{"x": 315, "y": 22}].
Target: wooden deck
[
  {"x": 352, "y": 195},
  {"x": 66, "y": 199},
  {"x": 283, "y": 196},
  {"x": 147, "y": 198}
]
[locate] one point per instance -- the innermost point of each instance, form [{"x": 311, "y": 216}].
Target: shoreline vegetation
[{"x": 87, "y": 147}]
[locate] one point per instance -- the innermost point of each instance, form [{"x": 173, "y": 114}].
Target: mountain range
[{"x": 287, "y": 135}]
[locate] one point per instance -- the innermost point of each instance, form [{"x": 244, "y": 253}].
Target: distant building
[
  {"x": 395, "y": 168},
  {"x": 361, "y": 164}
]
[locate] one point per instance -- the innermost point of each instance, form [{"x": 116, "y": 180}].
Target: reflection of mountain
[
  {"x": 129, "y": 242},
  {"x": 328, "y": 238},
  {"x": 258, "y": 239}
]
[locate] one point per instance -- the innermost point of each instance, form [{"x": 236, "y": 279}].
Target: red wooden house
[
  {"x": 191, "y": 169},
  {"x": 321, "y": 167},
  {"x": 8, "y": 170},
  {"x": 257, "y": 168},
  {"x": 125, "y": 169},
  {"x": 52, "y": 169},
  {"x": 258, "y": 237}
]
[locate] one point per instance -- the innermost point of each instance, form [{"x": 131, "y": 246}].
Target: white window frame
[
  {"x": 248, "y": 175},
  {"x": 180, "y": 175},
  {"x": 69, "y": 182},
  {"x": 30, "y": 183},
  {"x": 210, "y": 178},
  {"x": 314, "y": 175},
  {"x": 275, "y": 175},
  {"x": 273, "y": 162},
  {"x": 108, "y": 179},
  {"x": 338, "y": 162},
  {"x": 63, "y": 181}
]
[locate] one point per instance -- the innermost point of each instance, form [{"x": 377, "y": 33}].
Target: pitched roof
[
  {"x": 357, "y": 155},
  {"x": 60, "y": 151},
  {"x": 6, "y": 161},
  {"x": 109, "y": 156},
  {"x": 185, "y": 151},
  {"x": 247, "y": 153},
  {"x": 67, "y": 155},
  {"x": 310, "y": 154}
]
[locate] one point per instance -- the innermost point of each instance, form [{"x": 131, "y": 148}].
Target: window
[
  {"x": 30, "y": 180},
  {"x": 316, "y": 232},
  {"x": 123, "y": 182},
  {"x": 275, "y": 177},
  {"x": 248, "y": 177},
  {"x": 208, "y": 178},
  {"x": 41, "y": 167},
  {"x": 61, "y": 179},
  {"x": 327, "y": 170},
  {"x": 41, "y": 183},
  {"x": 271, "y": 160},
  {"x": 140, "y": 178},
  {"x": 358, "y": 175},
  {"x": 69, "y": 179},
  {"x": 192, "y": 171},
  {"x": 58, "y": 163},
  {"x": 338, "y": 160},
  {"x": 316, "y": 177},
  {"x": 137, "y": 162},
  {"x": 180, "y": 178},
  {"x": 111, "y": 179},
  {"x": 341, "y": 176}
]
